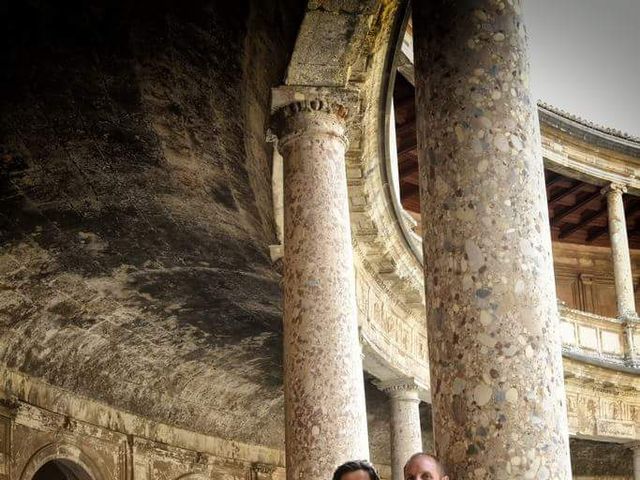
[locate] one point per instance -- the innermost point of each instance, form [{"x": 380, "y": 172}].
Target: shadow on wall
[{"x": 134, "y": 232}]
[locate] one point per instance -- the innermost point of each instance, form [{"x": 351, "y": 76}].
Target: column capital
[
  {"x": 262, "y": 471},
  {"x": 296, "y": 110},
  {"x": 614, "y": 188},
  {"x": 403, "y": 387}
]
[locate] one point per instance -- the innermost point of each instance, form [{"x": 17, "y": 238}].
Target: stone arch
[{"x": 70, "y": 458}]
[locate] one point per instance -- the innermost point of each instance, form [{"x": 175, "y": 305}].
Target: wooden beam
[
  {"x": 553, "y": 180},
  {"x": 569, "y": 210},
  {"x": 596, "y": 233},
  {"x": 631, "y": 208},
  {"x": 565, "y": 232},
  {"x": 405, "y": 129},
  {"x": 634, "y": 231},
  {"x": 559, "y": 196},
  {"x": 408, "y": 149},
  {"x": 407, "y": 189},
  {"x": 405, "y": 104},
  {"x": 408, "y": 167}
]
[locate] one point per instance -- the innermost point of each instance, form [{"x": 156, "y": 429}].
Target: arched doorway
[
  {"x": 61, "y": 469},
  {"x": 62, "y": 461}
]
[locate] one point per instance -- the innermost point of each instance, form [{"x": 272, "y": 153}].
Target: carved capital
[
  {"x": 406, "y": 388},
  {"x": 262, "y": 471},
  {"x": 314, "y": 104},
  {"x": 298, "y": 111},
  {"x": 614, "y": 189}
]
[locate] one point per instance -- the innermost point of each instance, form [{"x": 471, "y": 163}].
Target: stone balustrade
[{"x": 599, "y": 339}]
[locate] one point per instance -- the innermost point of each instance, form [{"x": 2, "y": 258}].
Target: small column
[
  {"x": 620, "y": 251},
  {"x": 621, "y": 259},
  {"x": 497, "y": 381},
  {"x": 325, "y": 413},
  {"x": 406, "y": 433}
]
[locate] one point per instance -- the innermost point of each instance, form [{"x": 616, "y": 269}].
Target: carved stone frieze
[{"x": 602, "y": 404}]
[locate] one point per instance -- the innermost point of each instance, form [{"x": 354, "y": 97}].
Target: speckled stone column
[
  {"x": 620, "y": 251},
  {"x": 406, "y": 434},
  {"x": 494, "y": 343},
  {"x": 325, "y": 410}
]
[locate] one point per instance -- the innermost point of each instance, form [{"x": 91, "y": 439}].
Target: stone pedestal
[
  {"x": 620, "y": 251},
  {"x": 325, "y": 411},
  {"x": 494, "y": 343},
  {"x": 406, "y": 433}
]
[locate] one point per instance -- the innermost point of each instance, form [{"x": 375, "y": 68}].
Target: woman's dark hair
[{"x": 354, "y": 466}]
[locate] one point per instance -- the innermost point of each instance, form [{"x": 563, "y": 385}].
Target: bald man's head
[{"x": 422, "y": 466}]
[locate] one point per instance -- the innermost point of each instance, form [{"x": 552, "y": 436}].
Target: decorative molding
[
  {"x": 317, "y": 104},
  {"x": 262, "y": 471},
  {"x": 587, "y": 123},
  {"x": 408, "y": 387}
]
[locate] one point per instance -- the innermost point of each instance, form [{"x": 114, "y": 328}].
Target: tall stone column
[
  {"x": 620, "y": 251},
  {"x": 325, "y": 411},
  {"x": 494, "y": 343},
  {"x": 406, "y": 433}
]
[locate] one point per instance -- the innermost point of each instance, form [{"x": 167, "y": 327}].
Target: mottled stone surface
[
  {"x": 494, "y": 344},
  {"x": 620, "y": 256},
  {"x": 325, "y": 415},
  {"x": 406, "y": 432},
  {"x": 135, "y": 211}
]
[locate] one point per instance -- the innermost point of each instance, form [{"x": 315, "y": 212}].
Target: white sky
[{"x": 585, "y": 58}]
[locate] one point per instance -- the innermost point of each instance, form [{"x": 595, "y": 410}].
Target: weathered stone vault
[{"x": 136, "y": 209}]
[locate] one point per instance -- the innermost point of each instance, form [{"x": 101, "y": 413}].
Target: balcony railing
[{"x": 599, "y": 340}]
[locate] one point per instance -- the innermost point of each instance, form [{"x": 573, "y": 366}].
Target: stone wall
[{"x": 584, "y": 277}]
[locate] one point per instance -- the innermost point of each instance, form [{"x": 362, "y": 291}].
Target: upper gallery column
[
  {"x": 325, "y": 411},
  {"x": 494, "y": 342},
  {"x": 406, "y": 433},
  {"x": 620, "y": 251}
]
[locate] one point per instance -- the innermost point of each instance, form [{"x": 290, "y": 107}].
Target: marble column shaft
[
  {"x": 494, "y": 342},
  {"x": 620, "y": 256},
  {"x": 406, "y": 433},
  {"x": 325, "y": 411}
]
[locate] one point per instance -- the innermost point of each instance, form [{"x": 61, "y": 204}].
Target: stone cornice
[
  {"x": 30, "y": 391},
  {"x": 586, "y": 124}
]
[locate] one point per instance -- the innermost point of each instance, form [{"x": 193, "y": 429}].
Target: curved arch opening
[{"x": 61, "y": 469}]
